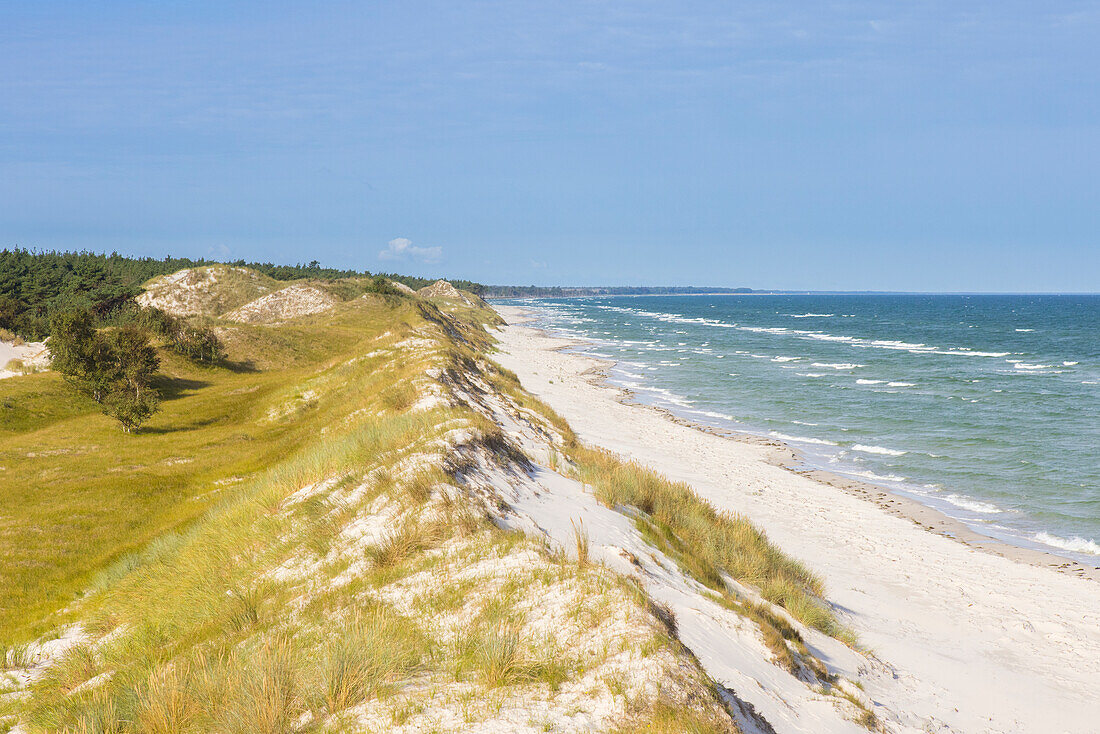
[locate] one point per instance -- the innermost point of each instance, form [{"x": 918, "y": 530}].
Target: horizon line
[{"x": 779, "y": 292}]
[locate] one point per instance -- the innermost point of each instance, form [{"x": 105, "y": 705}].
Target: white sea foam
[
  {"x": 878, "y": 450},
  {"x": 1026, "y": 366},
  {"x": 830, "y": 337},
  {"x": 811, "y": 374},
  {"x": 869, "y": 382},
  {"x": 785, "y": 359},
  {"x": 967, "y": 353},
  {"x": 810, "y": 315},
  {"x": 1075, "y": 544},
  {"x": 970, "y": 504},
  {"x": 878, "y": 477},
  {"x": 838, "y": 365},
  {"x": 712, "y": 414},
  {"x": 1069, "y": 364},
  {"x": 800, "y": 439},
  {"x": 895, "y": 344},
  {"x": 1025, "y": 329},
  {"x": 899, "y": 384},
  {"x": 766, "y": 329}
]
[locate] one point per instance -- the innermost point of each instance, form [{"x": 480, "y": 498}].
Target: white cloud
[{"x": 401, "y": 248}]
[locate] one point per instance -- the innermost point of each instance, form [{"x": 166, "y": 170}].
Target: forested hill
[{"x": 35, "y": 285}]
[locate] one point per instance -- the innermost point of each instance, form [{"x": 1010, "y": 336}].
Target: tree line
[
  {"x": 34, "y": 286},
  {"x": 102, "y": 342}
]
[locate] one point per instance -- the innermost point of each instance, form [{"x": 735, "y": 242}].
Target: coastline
[
  {"x": 979, "y": 634},
  {"x": 793, "y": 460}
]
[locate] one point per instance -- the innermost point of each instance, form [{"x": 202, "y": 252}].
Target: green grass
[
  {"x": 78, "y": 497},
  {"x": 169, "y": 541},
  {"x": 706, "y": 543},
  {"x": 372, "y": 651},
  {"x": 204, "y": 604},
  {"x": 175, "y": 554},
  {"x": 667, "y": 717}
]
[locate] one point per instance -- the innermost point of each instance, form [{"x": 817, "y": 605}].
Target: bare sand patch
[
  {"x": 289, "y": 303},
  {"x": 22, "y": 358}
]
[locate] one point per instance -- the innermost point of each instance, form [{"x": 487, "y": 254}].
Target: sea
[{"x": 985, "y": 407}]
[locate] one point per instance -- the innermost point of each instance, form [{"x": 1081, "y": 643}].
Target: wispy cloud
[{"x": 402, "y": 248}]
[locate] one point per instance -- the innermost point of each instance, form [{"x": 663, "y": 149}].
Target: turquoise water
[{"x": 986, "y": 407}]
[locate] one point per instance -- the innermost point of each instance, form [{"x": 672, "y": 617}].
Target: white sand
[
  {"x": 975, "y": 642},
  {"x": 35, "y": 356}
]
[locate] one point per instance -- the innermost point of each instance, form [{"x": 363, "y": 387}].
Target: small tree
[
  {"x": 131, "y": 407},
  {"x": 132, "y": 399},
  {"x": 80, "y": 354},
  {"x": 115, "y": 370},
  {"x": 198, "y": 343},
  {"x": 381, "y": 284}
]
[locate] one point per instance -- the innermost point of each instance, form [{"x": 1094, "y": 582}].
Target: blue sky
[{"x": 845, "y": 145}]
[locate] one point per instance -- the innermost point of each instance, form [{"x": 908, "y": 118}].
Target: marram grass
[
  {"x": 253, "y": 468},
  {"x": 708, "y": 544}
]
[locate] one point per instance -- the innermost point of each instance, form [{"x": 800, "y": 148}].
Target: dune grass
[
  {"x": 371, "y": 651},
  {"x": 706, "y": 543},
  {"x": 194, "y": 625},
  {"x": 78, "y": 498},
  {"x": 202, "y": 615},
  {"x": 184, "y": 560},
  {"x": 667, "y": 717}
]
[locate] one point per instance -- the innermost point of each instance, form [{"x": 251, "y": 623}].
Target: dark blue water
[{"x": 986, "y": 407}]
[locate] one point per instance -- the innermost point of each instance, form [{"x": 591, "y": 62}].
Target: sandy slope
[
  {"x": 972, "y": 642},
  {"x": 33, "y": 354}
]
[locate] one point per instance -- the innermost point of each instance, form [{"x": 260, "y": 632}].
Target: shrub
[
  {"x": 197, "y": 342},
  {"x": 372, "y": 652}
]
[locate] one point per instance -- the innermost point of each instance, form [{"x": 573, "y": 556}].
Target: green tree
[
  {"x": 132, "y": 399},
  {"x": 114, "y": 369},
  {"x": 80, "y": 354},
  {"x": 198, "y": 343},
  {"x": 382, "y": 284}
]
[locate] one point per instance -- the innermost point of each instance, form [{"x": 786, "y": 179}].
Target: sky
[{"x": 930, "y": 146}]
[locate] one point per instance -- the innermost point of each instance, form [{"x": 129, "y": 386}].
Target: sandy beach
[{"x": 977, "y": 636}]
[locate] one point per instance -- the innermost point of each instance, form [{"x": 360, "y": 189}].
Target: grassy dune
[
  {"x": 77, "y": 495},
  {"x": 289, "y": 546}
]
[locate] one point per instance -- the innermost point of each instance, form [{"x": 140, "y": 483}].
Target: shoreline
[
  {"x": 967, "y": 634},
  {"x": 791, "y": 459}
]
